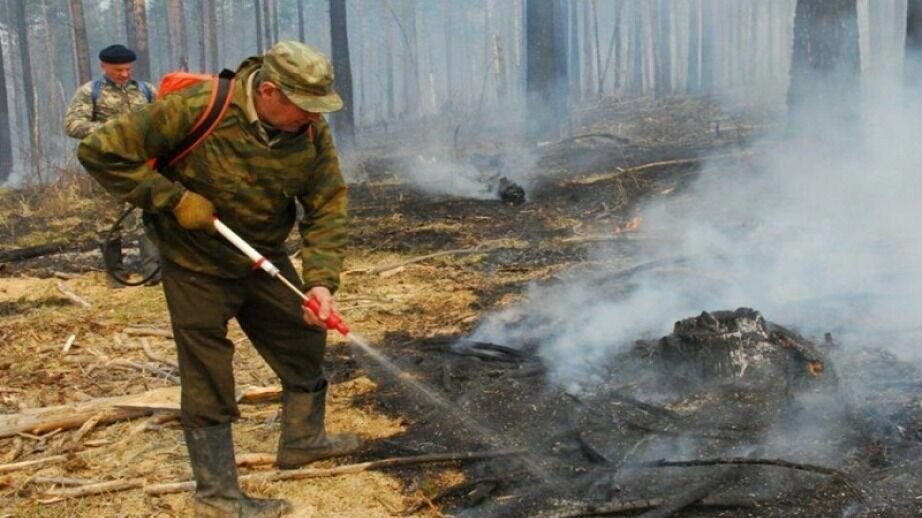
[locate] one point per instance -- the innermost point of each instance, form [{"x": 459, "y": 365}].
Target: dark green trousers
[{"x": 200, "y": 307}]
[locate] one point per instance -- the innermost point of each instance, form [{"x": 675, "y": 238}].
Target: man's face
[
  {"x": 278, "y": 111},
  {"x": 118, "y": 73}
]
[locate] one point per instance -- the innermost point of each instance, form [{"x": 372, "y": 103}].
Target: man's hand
[
  {"x": 195, "y": 212},
  {"x": 323, "y": 296}
]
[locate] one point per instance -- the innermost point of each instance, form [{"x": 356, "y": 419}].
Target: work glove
[{"x": 195, "y": 212}]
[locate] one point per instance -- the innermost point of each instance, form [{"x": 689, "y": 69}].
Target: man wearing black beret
[{"x": 95, "y": 103}]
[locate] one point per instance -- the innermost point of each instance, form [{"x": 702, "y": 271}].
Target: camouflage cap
[{"x": 304, "y": 74}]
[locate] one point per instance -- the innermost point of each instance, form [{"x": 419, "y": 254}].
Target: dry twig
[
  {"x": 72, "y": 296},
  {"x": 298, "y": 474}
]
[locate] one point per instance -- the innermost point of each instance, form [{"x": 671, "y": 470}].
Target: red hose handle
[{"x": 332, "y": 322}]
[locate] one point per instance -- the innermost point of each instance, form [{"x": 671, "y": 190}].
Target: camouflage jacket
[
  {"x": 113, "y": 100},
  {"x": 253, "y": 184}
]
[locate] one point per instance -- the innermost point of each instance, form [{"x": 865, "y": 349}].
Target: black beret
[{"x": 117, "y": 54}]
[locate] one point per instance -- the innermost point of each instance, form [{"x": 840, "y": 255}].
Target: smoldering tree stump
[{"x": 740, "y": 348}]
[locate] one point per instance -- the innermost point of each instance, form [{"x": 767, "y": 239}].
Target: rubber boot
[
  {"x": 112, "y": 259},
  {"x": 217, "y": 494},
  {"x": 304, "y": 438},
  {"x": 150, "y": 260}
]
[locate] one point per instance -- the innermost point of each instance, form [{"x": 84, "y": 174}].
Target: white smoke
[
  {"x": 440, "y": 177},
  {"x": 819, "y": 234}
]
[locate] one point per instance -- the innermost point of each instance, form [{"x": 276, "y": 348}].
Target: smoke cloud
[{"x": 819, "y": 233}]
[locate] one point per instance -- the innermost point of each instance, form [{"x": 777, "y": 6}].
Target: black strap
[{"x": 207, "y": 124}]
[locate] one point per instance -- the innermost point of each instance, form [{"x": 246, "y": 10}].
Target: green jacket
[
  {"x": 252, "y": 184},
  {"x": 113, "y": 101}
]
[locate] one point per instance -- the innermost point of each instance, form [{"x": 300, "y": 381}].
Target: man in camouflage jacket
[
  {"x": 95, "y": 103},
  {"x": 271, "y": 149}
]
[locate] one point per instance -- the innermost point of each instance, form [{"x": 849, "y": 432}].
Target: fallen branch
[
  {"x": 145, "y": 345},
  {"x": 747, "y": 461},
  {"x": 153, "y": 368},
  {"x": 111, "y": 409},
  {"x": 645, "y": 504},
  {"x": 653, "y": 165},
  {"x": 695, "y": 494},
  {"x": 86, "y": 428},
  {"x": 37, "y": 463},
  {"x": 62, "y": 481},
  {"x": 298, "y": 474},
  {"x": 111, "y": 486},
  {"x": 72, "y": 296},
  {"x": 148, "y": 331}
]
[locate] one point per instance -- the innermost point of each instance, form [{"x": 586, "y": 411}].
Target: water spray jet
[{"x": 335, "y": 322}]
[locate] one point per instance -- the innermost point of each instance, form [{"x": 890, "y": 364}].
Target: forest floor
[{"x": 55, "y": 350}]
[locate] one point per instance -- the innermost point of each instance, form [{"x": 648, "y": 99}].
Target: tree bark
[
  {"x": 21, "y": 29},
  {"x": 78, "y": 34},
  {"x": 545, "y": 68},
  {"x": 136, "y": 30},
  {"x": 177, "y": 28},
  {"x": 6, "y": 141},
  {"x": 339, "y": 35},
  {"x": 825, "y": 65},
  {"x": 210, "y": 22}
]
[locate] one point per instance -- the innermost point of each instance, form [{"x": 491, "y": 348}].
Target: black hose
[{"x": 106, "y": 259}]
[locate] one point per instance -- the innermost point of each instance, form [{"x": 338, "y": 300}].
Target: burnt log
[{"x": 58, "y": 247}]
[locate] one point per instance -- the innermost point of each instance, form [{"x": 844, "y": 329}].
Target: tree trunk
[
  {"x": 300, "y": 20},
  {"x": 545, "y": 68},
  {"x": 693, "y": 76},
  {"x": 597, "y": 46},
  {"x": 210, "y": 22},
  {"x": 258, "y": 10},
  {"x": 589, "y": 79},
  {"x": 21, "y": 28},
  {"x": 913, "y": 65},
  {"x": 612, "y": 55},
  {"x": 574, "y": 73},
  {"x": 200, "y": 37},
  {"x": 708, "y": 46},
  {"x": 136, "y": 30},
  {"x": 177, "y": 28},
  {"x": 391, "y": 103},
  {"x": 81, "y": 49},
  {"x": 267, "y": 23},
  {"x": 636, "y": 25},
  {"x": 663, "y": 49},
  {"x": 6, "y": 141},
  {"x": 52, "y": 104},
  {"x": 339, "y": 35},
  {"x": 825, "y": 65}
]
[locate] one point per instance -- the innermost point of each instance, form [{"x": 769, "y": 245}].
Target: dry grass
[{"x": 433, "y": 297}]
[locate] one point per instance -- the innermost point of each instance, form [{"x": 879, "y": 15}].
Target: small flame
[{"x": 815, "y": 368}]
